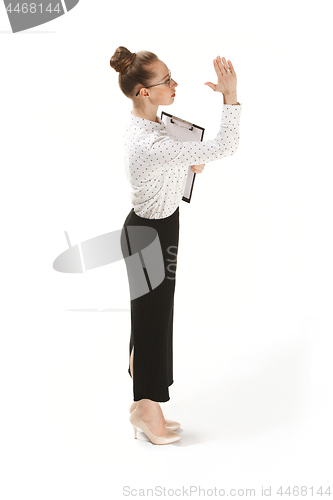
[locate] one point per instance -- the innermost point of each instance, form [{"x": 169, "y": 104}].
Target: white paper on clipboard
[{"x": 184, "y": 131}]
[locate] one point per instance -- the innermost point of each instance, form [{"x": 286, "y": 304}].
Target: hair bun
[{"x": 122, "y": 59}]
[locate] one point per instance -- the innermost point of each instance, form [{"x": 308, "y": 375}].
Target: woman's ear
[{"x": 144, "y": 92}]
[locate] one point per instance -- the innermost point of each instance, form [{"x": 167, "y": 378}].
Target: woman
[{"x": 156, "y": 166}]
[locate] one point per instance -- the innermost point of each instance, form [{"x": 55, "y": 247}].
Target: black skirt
[{"x": 151, "y": 261}]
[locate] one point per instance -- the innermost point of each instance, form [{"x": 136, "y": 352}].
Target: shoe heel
[
  {"x": 167, "y": 438},
  {"x": 135, "y": 431}
]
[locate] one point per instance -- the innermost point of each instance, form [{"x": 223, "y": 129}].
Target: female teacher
[{"x": 156, "y": 166}]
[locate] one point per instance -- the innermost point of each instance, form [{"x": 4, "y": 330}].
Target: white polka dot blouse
[{"x": 156, "y": 163}]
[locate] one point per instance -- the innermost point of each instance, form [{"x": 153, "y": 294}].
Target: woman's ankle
[
  {"x": 148, "y": 407},
  {"x": 146, "y": 404}
]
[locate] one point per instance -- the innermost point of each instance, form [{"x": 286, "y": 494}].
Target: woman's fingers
[
  {"x": 226, "y": 76},
  {"x": 218, "y": 67},
  {"x": 222, "y": 66},
  {"x": 211, "y": 85},
  {"x": 197, "y": 169},
  {"x": 225, "y": 65},
  {"x": 231, "y": 68}
]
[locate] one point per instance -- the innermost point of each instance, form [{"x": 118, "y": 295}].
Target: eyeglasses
[{"x": 168, "y": 81}]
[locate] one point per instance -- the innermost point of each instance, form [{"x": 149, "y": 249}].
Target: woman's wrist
[{"x": 230, "y": 98}]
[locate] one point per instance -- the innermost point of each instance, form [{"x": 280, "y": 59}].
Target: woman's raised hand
[{"x": 226, "y": 80}]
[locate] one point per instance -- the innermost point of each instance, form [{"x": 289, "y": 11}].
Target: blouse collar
[{"x": 147, "y": 124}]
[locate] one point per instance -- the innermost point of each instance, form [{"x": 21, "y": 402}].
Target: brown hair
[{"x": 134, "y": 69}]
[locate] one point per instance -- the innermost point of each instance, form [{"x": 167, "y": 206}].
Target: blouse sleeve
[{"x": 168, "y": 151}]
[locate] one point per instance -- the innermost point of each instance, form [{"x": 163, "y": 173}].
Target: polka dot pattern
[{"x": 156, "y": 163}]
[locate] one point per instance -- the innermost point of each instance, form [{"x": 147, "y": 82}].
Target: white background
[{"x": 253, "y": 304}]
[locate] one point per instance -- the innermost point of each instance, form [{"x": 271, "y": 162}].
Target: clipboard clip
[{"x": 182, "y": 126}]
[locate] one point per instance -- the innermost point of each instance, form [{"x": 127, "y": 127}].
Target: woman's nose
[{"x": 175, "y": 84}]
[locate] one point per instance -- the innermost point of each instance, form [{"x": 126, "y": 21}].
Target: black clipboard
[{"x": 183, "y": 130}]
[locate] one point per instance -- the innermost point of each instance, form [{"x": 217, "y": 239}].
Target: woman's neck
[{"x": 147, "y": 114}]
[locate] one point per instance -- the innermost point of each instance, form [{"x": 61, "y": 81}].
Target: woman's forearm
[{"x": 230, "y": 98}]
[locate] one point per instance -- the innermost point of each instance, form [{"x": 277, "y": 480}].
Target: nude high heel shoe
[
  {"x": 167, "y": 438},
  {"x": 170, "y": 424}
]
